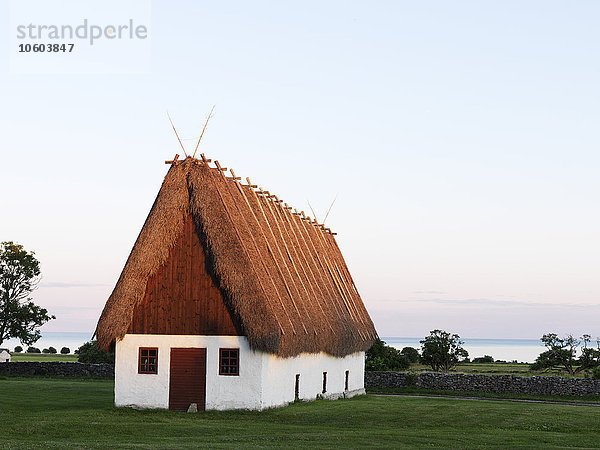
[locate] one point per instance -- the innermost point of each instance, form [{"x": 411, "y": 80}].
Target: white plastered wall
[
  {"x": 279, "y": 377},
  {"x": 264, "y": 381}
]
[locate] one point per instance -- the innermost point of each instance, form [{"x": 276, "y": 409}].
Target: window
[
  {"x": 148, "y": 360},
  {"x": 229, "y": 361},
  {"x": 297, "y": 388},
  {"x": 324, "y": 382},
  {"x": 346, "y": 382}
]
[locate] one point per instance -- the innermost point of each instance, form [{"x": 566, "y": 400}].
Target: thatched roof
[{"x": 280, "y": 273}]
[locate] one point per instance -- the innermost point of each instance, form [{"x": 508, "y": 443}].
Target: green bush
[
  {"x": 90, "y": 353},
  {"x": 18, "y": 349},
  {"x": 46, "y": 351},
  {"x": 381, "y": 357},
  {"x": 65, "y": 351},
  {"x": 483, "y": 359},
  {"x": 596, "y": 373},
  {"x": 51, "y": 350},
  {"x": 412, "y": 354},
  {"x": 33, "y": 350}
]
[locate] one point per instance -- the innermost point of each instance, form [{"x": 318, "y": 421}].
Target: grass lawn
[
  {"x": 45, "y": 357},
  {"x": 46, "y": 412}
]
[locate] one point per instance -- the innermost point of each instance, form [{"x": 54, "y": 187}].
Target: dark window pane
[
  {"x": 229, "y": 361},
  {"x": 148, "y": 360}
]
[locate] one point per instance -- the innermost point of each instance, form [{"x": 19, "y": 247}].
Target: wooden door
[{"x": 187, "y": 383}]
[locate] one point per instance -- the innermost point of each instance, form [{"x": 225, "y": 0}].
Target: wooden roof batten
[{"x": 258, "y": 190}]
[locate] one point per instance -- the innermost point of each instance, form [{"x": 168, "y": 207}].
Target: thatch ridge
[{"x": 280, "y": 273}]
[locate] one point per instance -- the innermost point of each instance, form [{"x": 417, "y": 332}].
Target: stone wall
[
  {"x": 486, "y": 383},
  {"x": 61, "y": 369}
]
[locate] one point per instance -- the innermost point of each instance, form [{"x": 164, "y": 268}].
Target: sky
[{"x": 459, "y": 139}]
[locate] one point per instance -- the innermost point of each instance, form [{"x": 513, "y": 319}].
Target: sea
[{"x": 520, "y": 350}]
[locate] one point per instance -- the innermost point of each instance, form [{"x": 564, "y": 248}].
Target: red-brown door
[{"x": 187, "y": 382}]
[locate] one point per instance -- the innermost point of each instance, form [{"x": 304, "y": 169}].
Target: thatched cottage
[{"x": 229, "y": 299}]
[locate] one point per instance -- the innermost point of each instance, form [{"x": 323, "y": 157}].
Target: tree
[
  {"x": 65, "y": 351},
  {"x": 442, "y": 350},
  {"x": 18, "y": 349},
  {"x": 412, "y": 354},
  {"x": 381, "y": 357},
  {"x": 90, "y": 353},
  {"x": 33, "y": 350},
  {"x": 19, "y": 275},
  {"x": 483, "y": 359},
  {"x": 561, "y": 353}
]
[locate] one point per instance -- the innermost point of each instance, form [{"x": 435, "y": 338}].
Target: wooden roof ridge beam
[
  {"x": 276, "y": 200},
  {"x": 263, "y": 193},
  {"x": 233, "y": 175},
  {"x": 305, "y": 217},
  {"x": 220, "y": 169},
  {"x": 204, "y": 160},
  {"x": 174, "y": 160}
]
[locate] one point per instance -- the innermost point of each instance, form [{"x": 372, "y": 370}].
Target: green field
[
  {"x": 521, "y": 370},
  {"x": 37, "y": 412},
  {"x": 483, "y": 368},
  {"x": 45, "y": 357}
]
